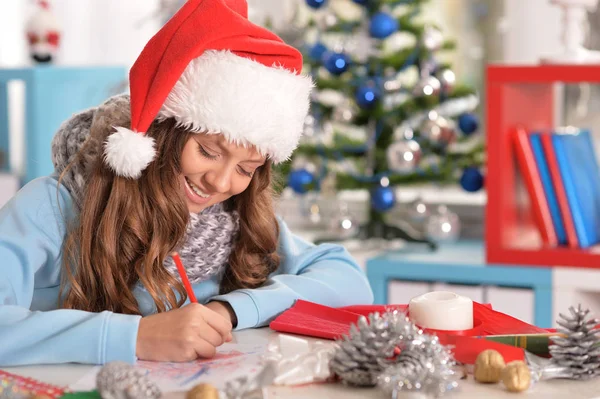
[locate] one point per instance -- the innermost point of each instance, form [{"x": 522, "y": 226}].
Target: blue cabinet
[
  {"x": 52, "y": 95},
  {"x": 463, "y": 264}
]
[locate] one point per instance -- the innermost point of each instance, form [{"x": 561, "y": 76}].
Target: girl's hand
[
  {"x": 225, "y": 310},
  {"x": 184, "y": 334}
]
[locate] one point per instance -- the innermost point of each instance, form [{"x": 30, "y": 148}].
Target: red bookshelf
[{"x": 523, "y": 95}]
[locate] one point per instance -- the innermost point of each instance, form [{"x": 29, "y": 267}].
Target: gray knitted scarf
[{"x": 210, "y": 235}]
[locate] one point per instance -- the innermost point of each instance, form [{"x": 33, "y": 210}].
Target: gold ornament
[
  {"x": 203, "y": 391},
  {"x": 516, "y": 376},
  {"x": 489, "y": 366}
]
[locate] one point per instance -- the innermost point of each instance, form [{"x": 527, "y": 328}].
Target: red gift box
[{"x": 314, "y": 320}]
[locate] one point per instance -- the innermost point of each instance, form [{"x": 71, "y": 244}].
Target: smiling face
[{"x": 213, "y": 170}]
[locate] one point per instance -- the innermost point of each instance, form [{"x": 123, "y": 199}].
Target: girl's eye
[
  {"x": 206, "y": 153},
  {"x": 245, "y": 173}
]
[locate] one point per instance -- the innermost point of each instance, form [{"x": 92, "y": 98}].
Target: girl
[{"x": 182, "y": 164}]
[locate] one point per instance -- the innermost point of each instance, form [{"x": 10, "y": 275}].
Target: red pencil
[{"x": 184, "y": 277}]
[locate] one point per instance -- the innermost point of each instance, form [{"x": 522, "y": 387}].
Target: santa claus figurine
[{"x": 43, "y": 33}]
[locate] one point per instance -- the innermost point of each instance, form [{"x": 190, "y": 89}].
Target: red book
[
  {"x": 533, "y": 182},
  {"x": 561, "y": 194}
]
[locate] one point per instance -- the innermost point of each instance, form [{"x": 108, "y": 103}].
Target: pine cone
[
  {"x": 119, "y": 380},
  {"x": 362, "y": 355},
  {"x": 424, "y": 365},
  {"x": 579, "y": 352}
]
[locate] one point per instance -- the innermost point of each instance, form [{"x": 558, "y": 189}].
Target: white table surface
[{"x": 63, "y": 375}]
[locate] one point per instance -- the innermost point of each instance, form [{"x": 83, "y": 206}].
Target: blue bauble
[
  {"x": 316, "y": 3},
  {"x": 383, "y": 25},
  {"x": 383, "y": 199},
  {"x": 317, "y": 51},
  {"x": 361, "y": 2},
  {"x": 336, "y": 63},
  {"x": 300, "y": 180},
  {"x": 471, "y": 179},
  {"x": 367, "y": 95},
  {"x": 468, "y": 123}
]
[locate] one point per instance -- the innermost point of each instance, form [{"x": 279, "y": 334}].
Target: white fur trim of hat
[{"x": 248, "y": 102}]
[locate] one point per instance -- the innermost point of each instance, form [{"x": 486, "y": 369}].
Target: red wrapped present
[{"x": 314, "y": 320}]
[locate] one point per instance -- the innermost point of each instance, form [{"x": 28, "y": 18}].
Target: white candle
[{"x": 442, "y": 310}]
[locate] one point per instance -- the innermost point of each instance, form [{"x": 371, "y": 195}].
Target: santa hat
[{"x": 214, "y": 72}]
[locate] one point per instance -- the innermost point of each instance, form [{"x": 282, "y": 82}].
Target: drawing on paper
[
  {"x": 232, "y": 361},
  {"x": 182, "y": 375}
]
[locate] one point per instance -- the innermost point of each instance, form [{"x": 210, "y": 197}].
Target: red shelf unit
[{"x": 523, "y": 95}]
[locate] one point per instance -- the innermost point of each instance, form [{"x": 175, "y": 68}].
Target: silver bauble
[
  {"x": 427, "y": 86},
  {"x": 404, "y": 156},
  {"x": 438, "y": 130},
  {"x": 417, "y": 211},
  {"x": 448, "y": 79},
  {"x": 443, "y": 226},
  {"x": 433, "y": 39}
]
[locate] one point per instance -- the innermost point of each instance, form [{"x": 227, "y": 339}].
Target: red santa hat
[{"x": 215, "y": 72}]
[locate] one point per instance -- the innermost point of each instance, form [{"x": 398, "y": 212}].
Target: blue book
[
  {"x": 578, "y": 167},
  {"x": 542, "y": 164}
]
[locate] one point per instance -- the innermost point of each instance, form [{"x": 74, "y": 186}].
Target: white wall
[
  {"x": 533, "y": 30},
  {"x": 12, "y": 42},
  {"x": 95, "y": 32}
]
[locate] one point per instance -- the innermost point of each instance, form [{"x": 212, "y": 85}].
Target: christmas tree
[{"x": 386, "y": 111}]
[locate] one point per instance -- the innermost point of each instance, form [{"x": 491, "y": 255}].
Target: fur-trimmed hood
[{"x": 73, "y": 133}]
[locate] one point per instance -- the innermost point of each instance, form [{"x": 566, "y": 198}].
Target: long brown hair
[{"x": 126, "y": 228}]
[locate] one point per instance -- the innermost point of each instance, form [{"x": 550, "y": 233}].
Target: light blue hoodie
[{"x": 33, "y": 330}]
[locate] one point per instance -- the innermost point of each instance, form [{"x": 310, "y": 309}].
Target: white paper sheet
[{"x": 231, "y": 361}]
